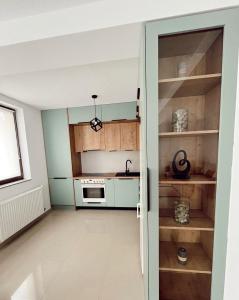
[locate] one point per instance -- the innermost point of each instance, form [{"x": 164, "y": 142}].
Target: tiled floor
[{"x": 75, "y": 255}]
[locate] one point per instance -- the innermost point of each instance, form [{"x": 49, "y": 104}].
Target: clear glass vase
[{"x": 182, "y": 211}]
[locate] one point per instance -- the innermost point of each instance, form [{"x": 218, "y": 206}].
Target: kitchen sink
[{"x": 124, "y": 174}]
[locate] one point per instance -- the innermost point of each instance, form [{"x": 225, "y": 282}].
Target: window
[{"x": 10, "y": 157}]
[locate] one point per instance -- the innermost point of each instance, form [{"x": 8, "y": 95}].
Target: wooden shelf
[
  {"x": 195, "y": 179},
  {"x": 198, "y": 261},
  {"x": 198, "y": 221},
  {"x": 187, "y": 44},
  {"x": 188, "y": 133},
  {"x": 188, "y": 86}
]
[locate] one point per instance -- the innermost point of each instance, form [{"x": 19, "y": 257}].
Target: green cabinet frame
[
  {"x": 229, "y": 20},
  {"x": 83, "y": 113},
  {"x": 57, "y": 143},
  {"x": 106, "y": 112},
  {"x": 61, "y": 191},
  {"x": 119, "y": 111}
]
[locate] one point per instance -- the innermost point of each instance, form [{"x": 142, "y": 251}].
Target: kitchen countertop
[{"x": 102, "y": 175}]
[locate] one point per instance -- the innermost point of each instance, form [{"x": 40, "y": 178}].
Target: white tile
[{"x": 75, "y": 255}]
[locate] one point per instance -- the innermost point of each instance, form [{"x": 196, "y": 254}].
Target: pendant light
[{"x": 95, "y": 123}]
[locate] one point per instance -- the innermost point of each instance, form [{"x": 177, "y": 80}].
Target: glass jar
[
  {"x": 182, "y": 211},
  {"x": 180, "y": 120}
]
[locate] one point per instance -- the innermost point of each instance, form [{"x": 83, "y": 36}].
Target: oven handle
[{"x": 92, "y": 185}]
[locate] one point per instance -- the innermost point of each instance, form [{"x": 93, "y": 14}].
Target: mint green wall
[
  {"x": 126, "y": 192},
  {"x": 106, "y": 112},
  {"x": 57, "y": 143},
  {"x": 61, "y": 191},
  {"x": 230, "y": 21}
]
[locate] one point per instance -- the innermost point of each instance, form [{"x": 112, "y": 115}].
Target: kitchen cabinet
[
  {"x": 105, "y": 112},
  {"x": 87, "y": 139},
  {"x": 119, "y": 111},
  {"x": 126, "y": 192},
  {"x": 128, "y": 136},
  {"x": 110, "y": 192},
  {"x": 57, "y": 143},
  {"x": 78, "y": 138},
  {"x": 112, "y": 136},
  {"x": 83, "y": 113},
  {"x": 191, "y": 63},
  {"x": 61, "y": 191},
  {"x": 138, "y": 136}
]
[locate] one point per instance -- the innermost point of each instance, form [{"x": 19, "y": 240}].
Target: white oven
[{"x": 93, "y": 190}]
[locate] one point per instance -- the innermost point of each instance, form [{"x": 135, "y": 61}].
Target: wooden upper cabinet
[
  {"x": 137, "y": 136},
  {"x": 92, "y": 140},
  {"x": 78, "y": 138},
  {"x": 128, "y": 136},
  {"x": 87, "y": 139},
  {"x": 112, "y": 136}
]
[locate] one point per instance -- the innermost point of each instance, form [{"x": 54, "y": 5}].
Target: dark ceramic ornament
[{"x": 181, "y": 168}]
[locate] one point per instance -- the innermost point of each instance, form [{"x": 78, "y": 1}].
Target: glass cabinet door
[{"x": 189, "y": 89}]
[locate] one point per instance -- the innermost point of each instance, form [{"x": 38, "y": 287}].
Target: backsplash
[{"x": 103, "y": 162}]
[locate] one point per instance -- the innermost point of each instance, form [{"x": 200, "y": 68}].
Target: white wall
[
  {"x": 35, "y": 149},
  {"x": 104, "y": 162}
]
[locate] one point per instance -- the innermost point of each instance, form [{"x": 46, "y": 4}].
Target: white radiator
[{"x": 19, "y": 211}]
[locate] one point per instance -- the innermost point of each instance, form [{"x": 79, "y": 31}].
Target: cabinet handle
[
  {"x": 138, "y": 211},
  {"x": 59, "y": 177},
  {"x": 148, "y": 189}
]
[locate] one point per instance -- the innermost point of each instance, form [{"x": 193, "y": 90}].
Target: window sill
[{"x": 15, "y": 182}]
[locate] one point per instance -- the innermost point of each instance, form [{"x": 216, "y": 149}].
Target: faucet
[{"x": 126, "y": 165}]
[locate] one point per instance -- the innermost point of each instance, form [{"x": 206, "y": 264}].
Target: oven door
[{"x": 93, "y": 193}]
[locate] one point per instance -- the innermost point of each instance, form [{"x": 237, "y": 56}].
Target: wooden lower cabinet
[
  {"x": 61, "y": 191},
  {"x": 126, "y": 192}
]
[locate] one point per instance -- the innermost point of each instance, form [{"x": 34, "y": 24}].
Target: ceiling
[
  {"x": 116, "y": 43},
  {"x": 15, "y": 9},
  {"x": 65, "y": 71},
  {"x": 56, "y": 53},
  {"x": 114, "y": 82}
]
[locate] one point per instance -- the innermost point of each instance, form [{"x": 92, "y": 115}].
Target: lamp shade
[{"x": 96, "y": 124}]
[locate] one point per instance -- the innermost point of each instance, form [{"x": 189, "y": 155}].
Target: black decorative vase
[{"x": 181, "y": 169}]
